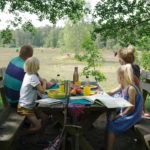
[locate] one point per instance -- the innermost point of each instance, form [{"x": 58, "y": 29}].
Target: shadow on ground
[{"x": 95, "y": 136}]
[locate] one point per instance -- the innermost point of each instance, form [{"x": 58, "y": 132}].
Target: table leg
[{"x": 84, "y": 144}]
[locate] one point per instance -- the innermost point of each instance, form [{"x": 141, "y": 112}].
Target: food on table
[
  {"x": 75, "y": 86},
  {"x": 79, "y": 91},
  {"x": 73, "y": 92},
  {"x": 75, "y": 89},
  {"x": 56, "y": 94}
]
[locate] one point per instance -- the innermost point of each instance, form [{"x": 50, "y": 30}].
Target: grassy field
[{"x": 52, "y": 62}]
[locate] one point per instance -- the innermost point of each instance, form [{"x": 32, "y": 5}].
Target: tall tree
[
  {"x": 126, "y": 20},
  {"x": 53, "y": 37},
  {"x": 52, "y": 10},
  {"x": 73, "y": 36}
]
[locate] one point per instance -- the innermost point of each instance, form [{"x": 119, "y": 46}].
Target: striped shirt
[{"x": 13, "y": 79}]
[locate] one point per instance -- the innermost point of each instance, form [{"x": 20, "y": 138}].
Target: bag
[{"x": 55, "y": 145}]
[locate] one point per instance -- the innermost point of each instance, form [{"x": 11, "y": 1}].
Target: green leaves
[
  {"x": 93, "y": 57},
  {"x": 146, "y": 60},
  {"x": 123, "y": 19},
  {"x": 6, "y": 35},
  {"x": 28, "y": 26},
  {"x": 47, "y": 9},
  {"x": 53, "y": 10}
]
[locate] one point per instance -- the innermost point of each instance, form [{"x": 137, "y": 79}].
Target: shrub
[{"x": 145, "y": 60}]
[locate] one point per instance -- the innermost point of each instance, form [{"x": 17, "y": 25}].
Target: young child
[
  {"x": 28, "y": 95},
  {"x": 131, "y": 115},
  {"x": 126, "y": 56}
]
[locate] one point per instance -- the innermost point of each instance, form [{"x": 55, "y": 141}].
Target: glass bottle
[
  {"x": 87, "y": 82},
  {"x": 58, "y": 80},
  {"x": 75, "y": 75}
]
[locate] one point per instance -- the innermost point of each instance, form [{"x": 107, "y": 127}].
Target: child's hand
[
  {"x": 117, "y": 117},
  {"x": 53, "y": 81},
  {"x": 43, "y": 81}
]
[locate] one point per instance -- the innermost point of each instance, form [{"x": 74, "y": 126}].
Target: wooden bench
[
  {"x": 10, "y": 120},
  {"x": 143, "y": 128}
]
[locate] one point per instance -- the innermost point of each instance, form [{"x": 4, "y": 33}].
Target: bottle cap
[{"x": 58, "y": 74}]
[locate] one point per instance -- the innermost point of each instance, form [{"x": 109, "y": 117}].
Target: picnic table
[{"x": 77, "y": 129}]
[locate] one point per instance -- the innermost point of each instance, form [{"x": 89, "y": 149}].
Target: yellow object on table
[
  {"x": 77, "y": 83},
  {"x": 61, "y": 88},
  {"x": 86, "y": 90},
  {"x": 56, "y": 94}
]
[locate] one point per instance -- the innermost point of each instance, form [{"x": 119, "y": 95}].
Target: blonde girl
[
  {"x": 28, "y": 95},
  {"x": 131, "y": 115}
]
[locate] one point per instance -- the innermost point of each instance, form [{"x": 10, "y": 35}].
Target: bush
[
  {"x": 145, "y": 60},
  {"x": 92, "y": 56},
  {"x": 147, "y": 103}
]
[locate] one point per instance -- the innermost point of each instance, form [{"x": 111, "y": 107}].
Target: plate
[{"x": 91, "y": 86}]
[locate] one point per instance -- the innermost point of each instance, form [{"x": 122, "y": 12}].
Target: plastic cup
[
  {"x": 62, "y": 87},
  {"x": 86, "y": 91}
]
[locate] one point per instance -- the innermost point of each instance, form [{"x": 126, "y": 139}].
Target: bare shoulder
[{"x": 132, "y": 90}]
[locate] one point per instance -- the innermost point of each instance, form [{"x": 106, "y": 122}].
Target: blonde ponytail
[
  {"x": 127, "y": 72},
  {"x": 130, "y": 49}
]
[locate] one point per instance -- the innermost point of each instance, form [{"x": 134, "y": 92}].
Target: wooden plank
[
  {"x": 2, "y": 93},
  {"x": 145, "y": 75},
  {"x": 143, "y": 131},
  {"x": 143, "y": 126},
  {"x": 1, "y": 74},
  {"x": 1, "y": 84},
  {"x": 10, "y": 122},
  {"x": 2, "y": 71},
  {"x": 145, "y": 86}
]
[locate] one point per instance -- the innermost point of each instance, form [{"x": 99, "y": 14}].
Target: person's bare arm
[
  {"x": 114, "y": 90},
  {"x": 132, "y": 95},
  {"x": 41, "y": 88}
]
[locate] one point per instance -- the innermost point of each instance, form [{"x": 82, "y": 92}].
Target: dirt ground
[{"x": 95, "y": 136}]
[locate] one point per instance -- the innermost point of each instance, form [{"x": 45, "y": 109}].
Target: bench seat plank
[
  {"x": 143, "y": 129},
  {"x": 145, "y": 86},
  {"x": 10, "y": 122},
  {"x": 145, "y": 75},
  {"x": 144, "y": 125}
]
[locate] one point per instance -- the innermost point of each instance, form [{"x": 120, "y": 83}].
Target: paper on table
[
  {"x": 48, "y": 101},
  {"x": 109, "y": 101},
  {"x": 106, "y": 100}
]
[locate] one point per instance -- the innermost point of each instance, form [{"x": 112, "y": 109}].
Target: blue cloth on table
[
  {"x": 79, "y": 101},
  {"x": 54, "y": 87}
]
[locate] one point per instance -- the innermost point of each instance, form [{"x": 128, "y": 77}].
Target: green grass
[
  {"x": 1, "y": 102},
  {"x": 147, "y": 103},
  {"x": 52, "y": 62}
]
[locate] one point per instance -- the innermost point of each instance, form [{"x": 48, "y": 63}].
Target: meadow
[{"x": 53, "y": 62}]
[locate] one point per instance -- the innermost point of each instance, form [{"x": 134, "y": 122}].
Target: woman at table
[{"x": 128, "y": 117}]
